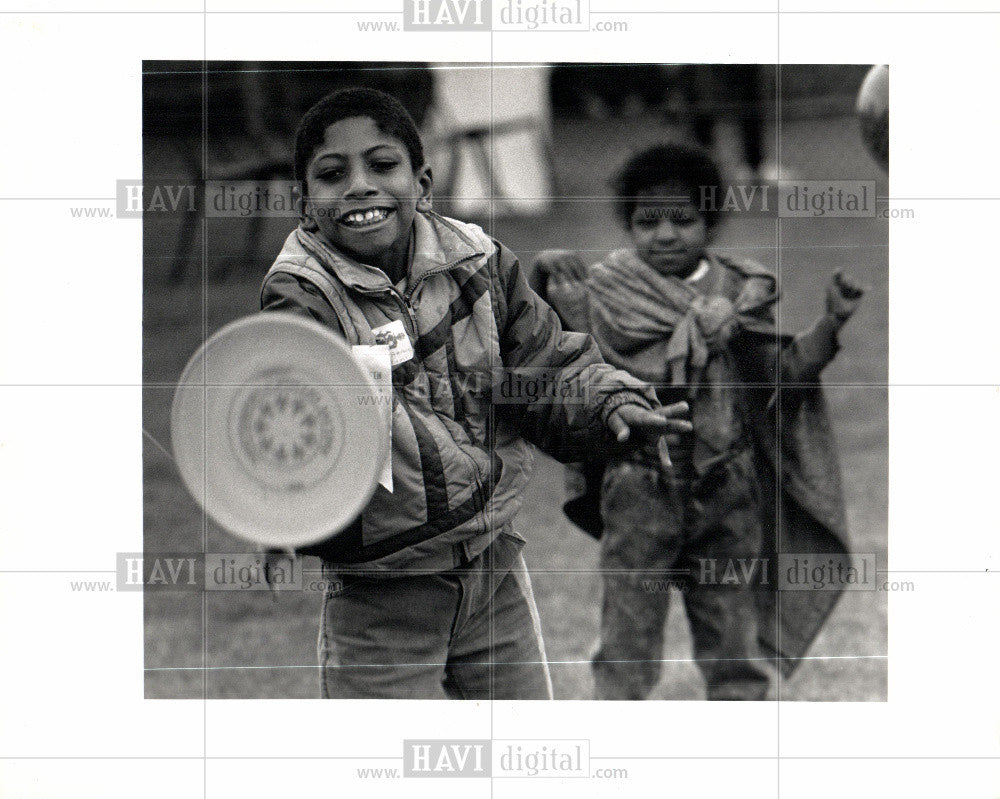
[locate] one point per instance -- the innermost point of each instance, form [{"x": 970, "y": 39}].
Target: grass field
[{"x": 259, "y": 645}]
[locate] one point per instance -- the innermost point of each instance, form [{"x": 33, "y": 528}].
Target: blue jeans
[
  {"x": 656, "y": 535},
  {"x": 469, "y": 633}
]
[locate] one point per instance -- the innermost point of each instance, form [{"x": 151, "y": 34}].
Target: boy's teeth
[{"x": 364, "y": 217}]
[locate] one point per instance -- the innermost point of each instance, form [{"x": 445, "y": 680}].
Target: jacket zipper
[
  {"x": 480, "y": 489},
  {"x": 403, "y": 300}
]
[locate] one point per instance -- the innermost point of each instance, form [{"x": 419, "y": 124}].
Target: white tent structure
[{"x": 488, "y": 139}]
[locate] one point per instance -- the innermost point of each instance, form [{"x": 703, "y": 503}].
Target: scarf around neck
[{"x": 659, "y": 327}]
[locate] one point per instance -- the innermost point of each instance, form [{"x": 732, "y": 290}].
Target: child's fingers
[
  {"x": 848, "y": 286},
  {"x": 557, "y": 282},
  {"x": 272, "y": 557},
  {"x": 659, "y": 426},
  {"x": 618, "y": 427},
  {"x": 656, "y": 422},
  {"x": 565, "y": 263},
  {"x": 669, "y": 418},
  {"x": 676, "y": 409},
  {"x": 576, "y": 268},
  {"x": 652, "y": 424},
  {"x": 666, "y": 464},
  {"x": 546, "y": 261}
]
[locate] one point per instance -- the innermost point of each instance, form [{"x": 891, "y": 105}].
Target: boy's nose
[
  {"x": 666, "y": 231},
  {"x": 360, "y": 185}
]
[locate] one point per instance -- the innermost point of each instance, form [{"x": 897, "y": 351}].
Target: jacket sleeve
[
  {"x": 286, "y": 292},
  {"x": 808, "y": 353},
  {"x": 801, "y": 357},
  {"x": 554, "y": 387}
]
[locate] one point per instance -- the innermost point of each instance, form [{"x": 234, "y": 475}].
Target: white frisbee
[{"x": 277, "y": 431}]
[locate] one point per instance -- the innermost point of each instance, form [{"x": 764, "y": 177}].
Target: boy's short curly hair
[
  {"x": 687, "y": 168},
  {"x": 383, "y": 109}
]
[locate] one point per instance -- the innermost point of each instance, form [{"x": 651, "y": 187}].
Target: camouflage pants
[{"x": 656, "y": 535}]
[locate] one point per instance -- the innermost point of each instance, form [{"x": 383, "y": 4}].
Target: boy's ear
[
  {"x": 425, "y": 180},
  {"x": 305, "y": 209}
]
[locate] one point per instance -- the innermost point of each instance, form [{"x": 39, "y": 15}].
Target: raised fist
[{"x": 843, "y": 296}]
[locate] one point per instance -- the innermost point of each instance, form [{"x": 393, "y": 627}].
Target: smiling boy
[
  {"x": 367, "y": 214},
  {"x": 429, "y": 593}
]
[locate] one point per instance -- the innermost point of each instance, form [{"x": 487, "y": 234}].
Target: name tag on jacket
[{"x": 393, "y": 336}]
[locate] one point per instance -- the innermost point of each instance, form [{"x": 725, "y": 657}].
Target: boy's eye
[
  {"x": 384, "y": 165},
  {"x": 646, "y": 217},
  {"x": 683, "y": 217},
  {"x": 330, "y": 174}
]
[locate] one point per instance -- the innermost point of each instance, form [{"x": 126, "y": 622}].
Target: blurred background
[{"x": 525, "y": 151}]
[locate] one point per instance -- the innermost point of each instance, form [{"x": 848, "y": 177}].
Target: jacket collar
[{"x": 439, "y": 244}]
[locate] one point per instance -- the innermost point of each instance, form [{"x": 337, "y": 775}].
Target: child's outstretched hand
[
  {"x": 659, "y": 426},
  {"x": 843, "y": 296},
  {"x": 650, "y": 424}
]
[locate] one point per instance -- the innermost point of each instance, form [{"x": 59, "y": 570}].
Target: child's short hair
[
  {"x": 383, "y": 109},
  {"x": 687, "y": 167}
]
